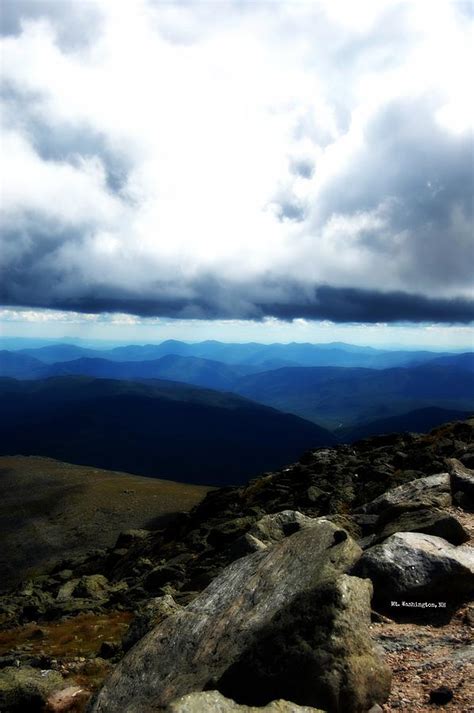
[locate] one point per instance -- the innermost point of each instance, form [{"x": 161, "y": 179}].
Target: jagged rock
[
  {"x": 462, "y": 483},
  {"x": 196, "y": 645},
  {"x": 433, "y": 491},
  {"x": 66, "y": 591},
  {"x": 419, "y": 568},
  {"x": 147, "y": 617},
  {"x": 317, "y": 651},
  {"x": 431, "y": 522},
  {"x": 27, "y": 689},
  {"x": 215, "y": 702},
  {"x": 92, "y": 586}
]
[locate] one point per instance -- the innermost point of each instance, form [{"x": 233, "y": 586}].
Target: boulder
[
  {"x": 215, "y": 702},
  {"x": 429, "y": 521},
  {"x": 432, "y": 491},
  {"x": 317, "y": 651},
  {"x": 417, "y": 567},
  {"x": 149, "y": 616},
  {"x": 92, "y": 586},
  {"x": 27, "y": 689},
  {"x": 197, "y": 645},
  {"x": 462, "y": 483}
]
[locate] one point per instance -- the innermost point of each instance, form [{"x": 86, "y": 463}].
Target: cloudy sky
[{"x": 251, "y": 169}]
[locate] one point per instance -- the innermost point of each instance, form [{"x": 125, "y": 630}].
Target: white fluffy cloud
[{"x": 217, "y": 157}]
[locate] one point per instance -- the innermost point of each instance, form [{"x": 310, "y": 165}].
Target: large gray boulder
[
  {"x": 195, "y": 647},
  {"x": 432, "y": 491},
  {"x": 316, "y": 651},
  {"x": 215, "y": 702},
  {"x": 419, "y": 568}
]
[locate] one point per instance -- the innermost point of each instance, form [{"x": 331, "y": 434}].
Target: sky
[{"x": 274, "y": 171}]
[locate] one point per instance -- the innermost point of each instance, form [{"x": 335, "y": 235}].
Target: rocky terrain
[{"x": 342, "y": 583}]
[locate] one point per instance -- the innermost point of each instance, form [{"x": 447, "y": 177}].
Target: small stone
[
  {"x": 69, "y": 700},
  {"x": 440, "y": 696},
  {"x": 108, "y": 650}
]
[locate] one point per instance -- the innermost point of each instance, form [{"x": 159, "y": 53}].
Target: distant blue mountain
[
  {"x": 266, "y": 356},
  {"x": 342, "y": 397},
  {"x": 189, "y": 370},
  {"x": 333, "y": 396}
]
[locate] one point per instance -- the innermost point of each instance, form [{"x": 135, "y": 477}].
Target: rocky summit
[{"x": 314, "y": 588}]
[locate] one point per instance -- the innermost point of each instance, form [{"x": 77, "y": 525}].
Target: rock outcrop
[
  {"x": 417, "y": 567},
  {"x": 433, "y": 491},
  {"x": 258, "y": 590},
  {"x": 254, "y": 599},
  {"x": 462, "y": 484},
  {"x": 428, "y": 521}
]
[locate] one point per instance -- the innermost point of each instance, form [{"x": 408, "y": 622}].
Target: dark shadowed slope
[
  {"x": 158, "y": 429},
  {"x": 21, "y": 366},
  {"x": 463, "y": 361},
  {"x": 337, "y": 397},
  {"x": 51, "y": 510},
  {"x": 418, "y": 421}
]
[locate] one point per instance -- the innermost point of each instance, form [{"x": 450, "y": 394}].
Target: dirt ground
[{"x": 424, "y": 657}]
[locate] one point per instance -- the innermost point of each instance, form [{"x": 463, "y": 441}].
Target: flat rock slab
[
  {"x": 418, "y": 567},
  {"x": 197, "y": 645},
  {"x": 432, "y": 491},
  {"x": 215, "y": 702},
  {"x": 430, "y": 521}
]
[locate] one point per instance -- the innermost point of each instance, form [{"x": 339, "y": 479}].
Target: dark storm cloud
[
  {"x": 398, "y": 200},
  {"x": 28, "y": 283},
  {"x": 355, "y": 305}
]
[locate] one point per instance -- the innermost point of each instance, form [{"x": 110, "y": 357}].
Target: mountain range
[
  {"x": 154, "y": 428},
  {"x": 262, "y": 355},
  {"x": 170, "y": 411}
]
